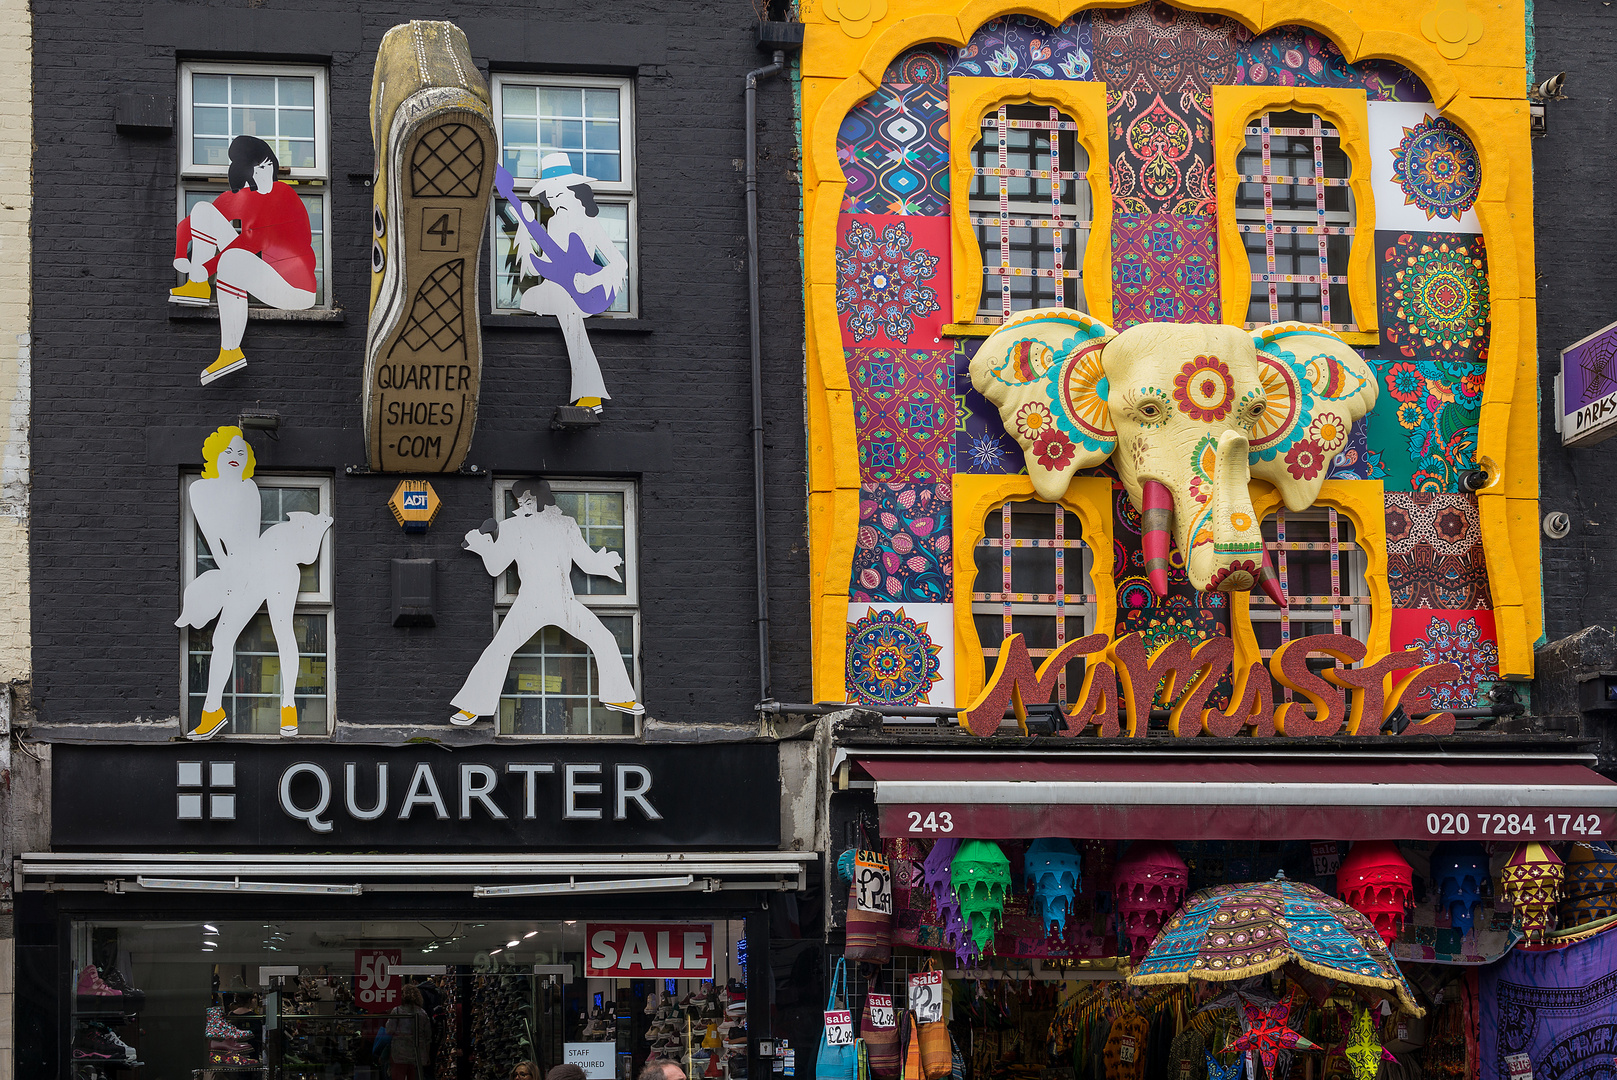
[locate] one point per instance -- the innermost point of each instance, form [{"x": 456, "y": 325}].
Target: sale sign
[
  {"x": 648, "y": 950},
  {"x": 376, "y": 988}
]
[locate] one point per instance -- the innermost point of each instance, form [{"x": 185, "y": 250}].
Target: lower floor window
[
  {"x": 253, "y": 694},
  {"x": 551, "y": 687}
]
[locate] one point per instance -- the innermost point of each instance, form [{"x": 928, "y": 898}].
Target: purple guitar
[{"x": 553, "y": 262}]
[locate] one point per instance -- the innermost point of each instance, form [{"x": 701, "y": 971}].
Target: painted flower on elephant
[
  {"x": 1204, "y": 389},
  {"x": 1328, "y": 428},
  {"x": 1053, "y": 449},
  {"x": 1305, "y": 459},
  {"x": 1033, "y": 419}
]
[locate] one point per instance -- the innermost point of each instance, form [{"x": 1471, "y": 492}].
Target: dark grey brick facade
[{"x": 117, "y": 408}]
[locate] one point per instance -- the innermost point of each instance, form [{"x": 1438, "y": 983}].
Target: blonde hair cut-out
[{"x": 215, "y": 444}]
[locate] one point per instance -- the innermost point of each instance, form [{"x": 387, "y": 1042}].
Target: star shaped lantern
[
  {"x": 1266, "y": 1033},
  {"x": 1364, "y": 1050}
]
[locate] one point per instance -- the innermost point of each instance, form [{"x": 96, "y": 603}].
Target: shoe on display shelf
[
  {"x": 96, "y": 1042},
  {"x": 134, "y": 1000},
  {"x": 95, "y": 995}
]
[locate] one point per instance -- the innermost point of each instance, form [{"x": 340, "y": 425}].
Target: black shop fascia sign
[{"x": 333, "y": 797}]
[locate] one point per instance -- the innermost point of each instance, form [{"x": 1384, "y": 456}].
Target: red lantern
[
  {"x": 1375, "y": 880},
  {"x": 1147, "y": 888}
]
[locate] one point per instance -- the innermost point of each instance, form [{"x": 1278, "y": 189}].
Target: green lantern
[{"x": 981, "y": 877}]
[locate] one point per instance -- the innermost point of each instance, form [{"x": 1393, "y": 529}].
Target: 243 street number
[
  {"x": 940, "y": 821},
  {"x": 1485, "y": 824}
]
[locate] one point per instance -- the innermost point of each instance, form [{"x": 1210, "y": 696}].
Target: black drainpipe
[{"x": 778, "y": 64}]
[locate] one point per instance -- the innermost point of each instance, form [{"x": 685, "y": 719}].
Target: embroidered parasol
[{"x": 1233, "y": 932}]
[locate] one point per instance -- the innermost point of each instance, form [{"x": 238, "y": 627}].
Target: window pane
[
  {"x": 252, "y": 696},
  {"x": 210, "y": 121},
  {"x": 552, "y": 683},
  {"x": 213, "y": 89},
  {"x": 563, "y": 135},
  {"x": 210, "y": 151},
  {"x": 297, "y": 124},
  {"x": 518, "y": 101},
  {"x": 252, "y": 90},
  {"x": 276, "y": 108},
  {"x": 296, "y": 91},
  {"x": 601, "y": 103},
  {"x": 561, "y": 101}
]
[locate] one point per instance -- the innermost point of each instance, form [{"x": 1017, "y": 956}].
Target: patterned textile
[
  {"x": 1164, "y": 269},
  {"x": 1425, "y": 423},
  {"x": 928, "y": 63},
  {"x": 1297, "y": 56},
  {"x": 894, "y": 150},
  {"x": 1124, "y": 1052},
  {"x": 1266, "y": 1034},
  {"x": 1364, "y": 1050},
  {"x": 1436, "y": 165},
  {"x": 982, "y": 446},
  {"x": 1216, "y": 1070},
  {"x": 1164, "y": 154},
  {"x": 903, "y": 414},
  {"x": 1558, "y": 1010},
  {"x": 1434, "y": 294},
  {"x": 892, "y": 273},
  {"x": 1022, "y": 47},
  {"x": 1165, "y": 50},
  {"x": 1232, "y": 932},
  {"x": 1434, "y": 552},
  {"x": 1464, "y": 638},
  {"x": 1356, "y": 461},
  {"x": 903, "y": 551},
  {"x": 892, "y": 658}
]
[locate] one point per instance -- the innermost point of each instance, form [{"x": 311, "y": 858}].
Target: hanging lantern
[
  {"x": 981, "y": 877},
  {"x": 1147, "y": 888},
  {"x": 1377, "y": 882},
  {"x": 1052, "y": 868},
  {"x": 1591, "y": 885},
  {"x": 1460, "y": 870},
  {"x": 1531, "y": 881}
]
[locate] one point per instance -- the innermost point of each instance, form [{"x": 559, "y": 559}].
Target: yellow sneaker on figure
[
  {"x": 589, "y": 403},
  {"x": 462, "y": 718},
  {"x": 289, "y": 720},
  {"x": 192, "y": 294},
  {"x": 229, "y": 360},
  {"x": 633, "y": 708},
  {"x": 208, "y": 726}
]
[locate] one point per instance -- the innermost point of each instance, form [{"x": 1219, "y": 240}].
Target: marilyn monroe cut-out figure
[
  {"x": 252, "y": 569},
  {"x": 254, "y": 238}
]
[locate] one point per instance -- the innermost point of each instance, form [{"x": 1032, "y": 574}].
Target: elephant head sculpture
[{"x": 1190, "y": 412}]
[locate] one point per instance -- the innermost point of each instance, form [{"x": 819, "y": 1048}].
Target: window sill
[
  {"x": 185, "y": 313},
  {"x": 969, "y": 329},
  {"x": 549, "y": 322}
]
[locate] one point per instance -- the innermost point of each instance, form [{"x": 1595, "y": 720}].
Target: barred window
[{"x": 1321, "y": 569}]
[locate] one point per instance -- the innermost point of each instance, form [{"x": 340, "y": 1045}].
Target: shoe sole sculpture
[{"x": 435, "y": 156}]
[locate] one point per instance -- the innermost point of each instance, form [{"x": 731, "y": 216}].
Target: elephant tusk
[
  {"x": 1269, "y": 581},
  {"x": 1156, "y": 516}
]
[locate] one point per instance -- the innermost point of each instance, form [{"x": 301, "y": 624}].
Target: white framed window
[
  {"x": 253, "y": 695},
  {"x": 1033, "y": 579},
  {"x": 1031, "y": 208},
  {"x": 1295, "y": 212},
  {"x": 283, "y": 104},
  {"x": 589, "y": 119},
  {"x": 1321, "y": 569},
  {"x": 550, "y": 688}
]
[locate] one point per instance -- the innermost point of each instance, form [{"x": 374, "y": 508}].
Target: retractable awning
[{"x": 1118, "y": 799}]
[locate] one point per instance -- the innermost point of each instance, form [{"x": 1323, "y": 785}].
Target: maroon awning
[{"x": 993, "y": 798}]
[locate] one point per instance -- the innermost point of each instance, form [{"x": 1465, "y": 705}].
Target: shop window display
[{"x": 408, "y": 1000}]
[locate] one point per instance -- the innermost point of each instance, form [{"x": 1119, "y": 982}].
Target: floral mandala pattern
[
  {"x": 1437, "y": 167},
  {"x": 1204, "y": 389},
  {"x": 881, "y": 283},
  {"x": 903, "y": 413},
  {"x": 903, "y": 552},
  {"x": 891, "y": 658},
  {"x": 1439, "y": 294},
  {"x": 1164, "y": 269},
  {"x": 1457, "y": 638}
]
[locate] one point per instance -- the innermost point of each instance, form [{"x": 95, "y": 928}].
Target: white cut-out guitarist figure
[
  {"x": 580, "y": 266},
  {"x": 544, "y": 543}
]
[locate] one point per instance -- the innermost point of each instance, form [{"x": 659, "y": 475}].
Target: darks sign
[
  {"x": 1586, "y": 389},
  {"x": 238, "y": 795}
]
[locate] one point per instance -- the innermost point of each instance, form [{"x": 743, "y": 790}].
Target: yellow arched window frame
[
  {"x": 972, "y": 99},
  {"x": 1234, "y": 107},
  {"x": 975, "y": 497}
]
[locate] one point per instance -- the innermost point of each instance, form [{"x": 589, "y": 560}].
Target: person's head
[
  {"x": 579, "y": 197},
  {"x": 560, "y": 187},
  {"x": 662, "y": 1070},
  {"x": 527, "y": 1070},
  {"x": 227, "y": 453},
  {"x": 252, "y": 163},
  {"x": 411, "y": 995},
  {"x": 532, "y": 496},
  {"x": 565, "y": 1072}
]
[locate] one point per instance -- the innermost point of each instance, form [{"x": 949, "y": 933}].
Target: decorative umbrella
[
  {"x": 1233, "y": 932},
  {"x": 1267, "y": 1034}
]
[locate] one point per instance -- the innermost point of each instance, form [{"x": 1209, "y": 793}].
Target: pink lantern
[
  {"x": 1375, "y": 880},
  {"x": 1147, "y": 888}
]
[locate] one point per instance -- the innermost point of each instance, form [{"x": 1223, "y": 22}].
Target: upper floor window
[
  {"x": 285, "y": 106},
  {"x": 552, "y": 685},
  {"x": 591, "y": 120},
  {"x": 1031, "y": 207},
  {"x": 252, "y": 696},
  {"x": 1295, "y": 212},
  {"x": 1033, "y": 579},
  {"x": 1321, "y": 568}
]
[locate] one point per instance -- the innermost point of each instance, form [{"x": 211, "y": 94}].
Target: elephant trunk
[
  {"x": 1233, "y": 556},
  {"x": 1156, "y": 518}
]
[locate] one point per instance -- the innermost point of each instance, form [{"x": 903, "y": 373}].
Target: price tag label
[
  {"x": 1326, "y": 858},
  {"x": 926, "y": 997},
  {"x": 1519, "y": 1066},
  {"x": 875, "y": 883},
  {"x": 1125, "y": 1050},
  {"x": 881, "y": 1011},
  {"x": 839, "y": 1028}
]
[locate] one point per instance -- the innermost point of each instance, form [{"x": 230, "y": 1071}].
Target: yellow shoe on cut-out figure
[
  {"x": 208, "y": 726},
  {"x": 633, "y": 708},
  {"x": 463, "y": 719},
  {"x": 589, "y": 403},
  {"x": 289, "y": 720},
  {"x": 192, "y": 294},
  {"x": 229, "y": 360}
]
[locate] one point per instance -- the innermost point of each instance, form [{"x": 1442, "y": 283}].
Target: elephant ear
[
  {"x": 1316, "y": 387},
  {"x": 1042, "y": 370}
]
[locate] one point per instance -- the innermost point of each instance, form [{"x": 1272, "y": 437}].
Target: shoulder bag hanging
[
  {"x": 878, "y": 1028},
  {"x": 870, "y": 909},
  {"x": 838, "y": 1058}
]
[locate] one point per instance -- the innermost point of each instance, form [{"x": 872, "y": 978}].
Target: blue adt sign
[{"x": 415, "y": 500}]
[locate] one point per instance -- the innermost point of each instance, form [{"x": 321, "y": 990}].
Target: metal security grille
[
  {"x": 1030, "y": 206},
  {"x": 1295, "y": 212},
  {"x": 1039, "y": 551},
  {"x": 1315, "y": 555}
]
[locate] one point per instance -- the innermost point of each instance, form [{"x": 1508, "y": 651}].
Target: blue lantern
[
  {"x": 1460, "y": 869},
  {"x": 1051, "y": 868}
]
